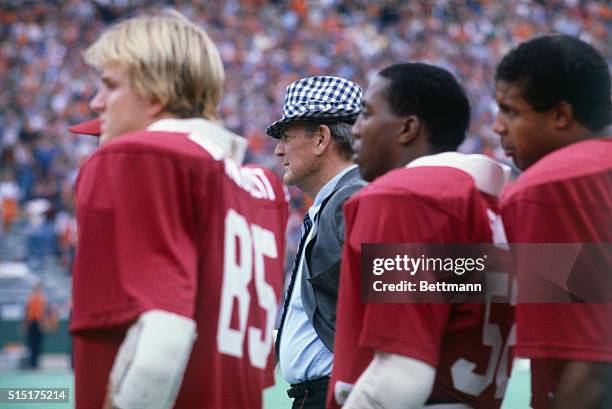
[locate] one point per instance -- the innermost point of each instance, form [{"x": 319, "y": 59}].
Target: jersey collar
[
  {"x": 489, "y": 176},
  {"x": 230, "y": 145}
]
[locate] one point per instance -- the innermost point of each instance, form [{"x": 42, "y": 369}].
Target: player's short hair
[
  {"x": 560, "y": 67},
  {"x": 432, "y": 94},
  {"x": 168, "y": 58}
]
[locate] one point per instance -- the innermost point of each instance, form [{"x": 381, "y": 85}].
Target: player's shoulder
[
  {"x": 570, "y": 165},
  {"x": 167, "y": 143},
  {"x": 439, "y": 183}
]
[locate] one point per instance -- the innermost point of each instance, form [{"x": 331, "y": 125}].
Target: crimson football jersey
[
  {"x": 569, "y": 194},
  {"x": 468, "y": 344},
  {"x": 168, "y": 222}
]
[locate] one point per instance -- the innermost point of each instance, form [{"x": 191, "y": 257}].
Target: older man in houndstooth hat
[{"x": 315, "y": 145}]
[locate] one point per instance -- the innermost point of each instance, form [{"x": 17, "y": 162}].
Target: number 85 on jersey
[{"x": 245, "y": 247}]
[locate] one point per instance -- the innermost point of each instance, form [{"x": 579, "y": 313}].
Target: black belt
[{"x": 298, "y": 390}]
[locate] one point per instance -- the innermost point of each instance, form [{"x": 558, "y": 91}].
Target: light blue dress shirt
[{"x": 302, "y": 354}]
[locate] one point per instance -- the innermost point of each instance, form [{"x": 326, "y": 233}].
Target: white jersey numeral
[
  {"x": 245, "y": 247},
  {"x": 462, "y": 371},
  {"x": 498, "y": 284}
]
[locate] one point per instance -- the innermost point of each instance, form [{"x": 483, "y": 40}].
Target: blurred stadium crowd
[{"x": 265, "y": 45}]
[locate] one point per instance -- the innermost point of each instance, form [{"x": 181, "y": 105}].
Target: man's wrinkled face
[
  {"x": 296, "y": 149},
  {"x": 121, "y": 109}
]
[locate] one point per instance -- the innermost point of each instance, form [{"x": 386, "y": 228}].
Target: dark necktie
[{"x": 306, "y": 226}]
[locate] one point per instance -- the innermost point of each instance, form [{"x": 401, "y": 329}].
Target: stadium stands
[{"x": 265, "y": 45}]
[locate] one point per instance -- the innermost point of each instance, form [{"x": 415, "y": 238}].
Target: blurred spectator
[
  {"x": 66, "y": 230},
  {"x": 35, "y": 321},
  {"x": 9, "y": 198},
  {"x": 40, "y": 231}
]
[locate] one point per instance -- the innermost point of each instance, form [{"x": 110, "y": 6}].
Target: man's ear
[
  {"x": 155, "y": 108},
  {"x": 322, "y": 139},
  {"x": 563, "y": 115},
  {"x": 411, "y": 126}
]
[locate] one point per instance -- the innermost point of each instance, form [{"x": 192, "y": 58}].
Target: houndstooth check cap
[{"x": 319, "y": 97}]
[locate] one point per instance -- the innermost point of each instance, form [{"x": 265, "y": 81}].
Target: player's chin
[
  {"x": 365, "y": 173},
  {"x": 520, "y": 161},
  {"x": 521, "y": 164},
  {"x": 104, "y": 137},
  {"x": 288, "y": 178},
  {"x": 107, "y": 135}
]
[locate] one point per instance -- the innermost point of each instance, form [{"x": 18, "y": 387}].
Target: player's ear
[
  {"x": 322, "y": 138},
  {"x": 155, "y": 108},
  {"x": 410, "y": 129},
  {"x": 563, "y": 115}
]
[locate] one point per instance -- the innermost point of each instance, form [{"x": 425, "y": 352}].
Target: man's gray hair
[{"x": 341, "y": 134}]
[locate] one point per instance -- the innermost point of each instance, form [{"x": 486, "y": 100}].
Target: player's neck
[
  {"x": 577, "y": 133},
  {"x": 415, "y": 151}
]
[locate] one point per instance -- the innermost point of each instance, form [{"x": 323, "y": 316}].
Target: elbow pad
[
  {"x": 392, "y": 381},
  {"x": 149, "y": 367}
]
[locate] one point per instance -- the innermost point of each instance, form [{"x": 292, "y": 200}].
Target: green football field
[{"x": 517, "y": 395}]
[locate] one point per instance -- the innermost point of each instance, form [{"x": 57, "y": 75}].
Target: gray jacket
[{"x": 321, "y": 268}]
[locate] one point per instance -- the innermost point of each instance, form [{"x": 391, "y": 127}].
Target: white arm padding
[
  {"x": 149, "y": 367},
  {"x": 392, "y": 381}
]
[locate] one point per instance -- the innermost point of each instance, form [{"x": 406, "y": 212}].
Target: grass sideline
[{"x": 517, "y": 395}]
